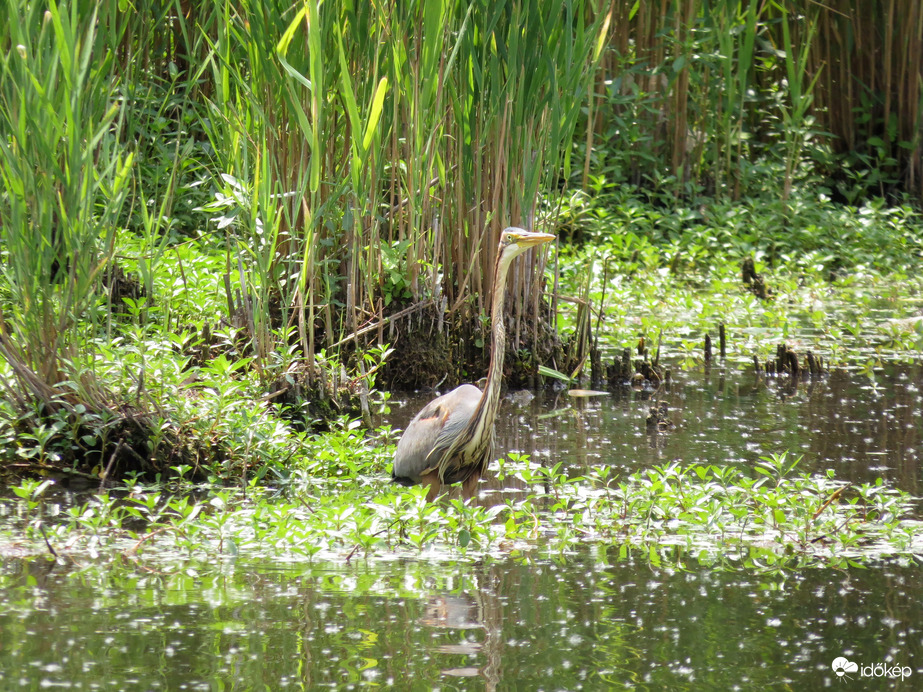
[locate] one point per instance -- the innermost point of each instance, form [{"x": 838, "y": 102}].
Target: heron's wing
[
  {"x": 433, "y": 428},
  {"x": 460, "y": 411}
]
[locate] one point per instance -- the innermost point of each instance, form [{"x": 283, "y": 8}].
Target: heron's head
[{"x": 514, "y": 241}]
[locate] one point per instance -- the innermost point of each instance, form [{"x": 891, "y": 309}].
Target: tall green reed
[
  {"x": 357, "y": 134},
  {"x": 351, "y": 145},
  {"x": 714, "y": 97},
  {"x": 799, "y": 92},
  {"x": 65, "y": 176}
]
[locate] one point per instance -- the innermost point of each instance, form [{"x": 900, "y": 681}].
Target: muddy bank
[{"x": 431, "y": 351}]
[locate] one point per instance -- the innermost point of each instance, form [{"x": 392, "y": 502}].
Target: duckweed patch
[{"x": 771, "y": 518}]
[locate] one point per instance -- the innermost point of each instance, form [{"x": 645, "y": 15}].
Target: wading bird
[{"x": 451, "y": 440}]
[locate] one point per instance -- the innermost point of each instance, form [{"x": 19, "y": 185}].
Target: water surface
[
  {"x": 594, "y": 621},
  {"x": 601, "y": 617},
  {"x": 863, "y": 428}
]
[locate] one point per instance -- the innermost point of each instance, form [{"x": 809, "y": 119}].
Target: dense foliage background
[{"x": 207, "y": 205}]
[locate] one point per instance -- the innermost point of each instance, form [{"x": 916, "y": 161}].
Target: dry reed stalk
[{"x": 871, "y": 52}]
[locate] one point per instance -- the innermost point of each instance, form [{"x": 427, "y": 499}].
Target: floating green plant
[{"x": 768, "y": 517}]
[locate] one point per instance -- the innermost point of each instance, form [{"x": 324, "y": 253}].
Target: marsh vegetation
[{"x": 231, "y": 237}]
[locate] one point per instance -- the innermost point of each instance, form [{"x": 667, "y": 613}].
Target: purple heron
[{"x": 451, "y": 439}]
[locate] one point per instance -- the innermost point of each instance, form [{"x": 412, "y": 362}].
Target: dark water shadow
[{"x": 861, "y": 428}]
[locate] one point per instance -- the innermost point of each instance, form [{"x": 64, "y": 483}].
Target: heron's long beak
[{"x": 528, "y": 238}]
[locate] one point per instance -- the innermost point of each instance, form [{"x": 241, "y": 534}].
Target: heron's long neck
[{"x": 491, "y": 395}]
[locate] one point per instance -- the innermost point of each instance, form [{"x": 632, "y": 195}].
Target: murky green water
[
  {"x": 601, "y": 618},
  {"x": 593, "y": 622},
  {"x": 863, "y": 428}
]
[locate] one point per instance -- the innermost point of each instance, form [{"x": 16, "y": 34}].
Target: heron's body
[
  {"x": 435, "y": 427},
  {"x": 451, "y": 439}
]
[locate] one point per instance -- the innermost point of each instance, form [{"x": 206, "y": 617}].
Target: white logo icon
[{"x": 841, "y": 666}]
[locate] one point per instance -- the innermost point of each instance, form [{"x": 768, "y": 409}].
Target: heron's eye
[{"x": 509, "y": 237}]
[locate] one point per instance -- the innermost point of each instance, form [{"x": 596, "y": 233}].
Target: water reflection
[
  {"x": 456, "y": 614},
  {"x": 606, "y": 618},
  {"x": 861, "y": 428}
]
